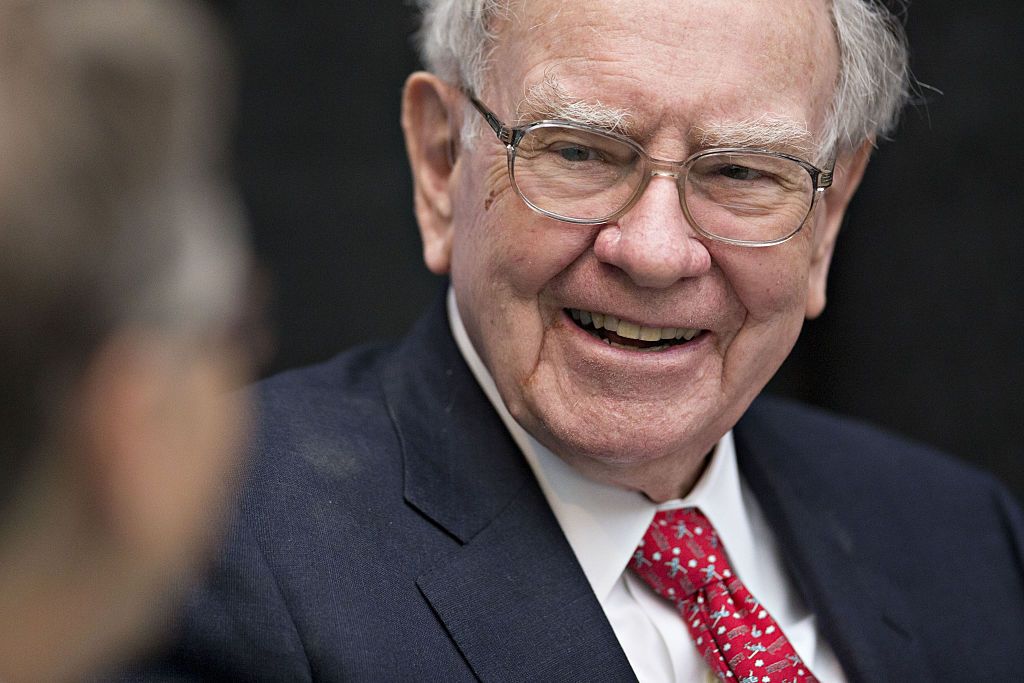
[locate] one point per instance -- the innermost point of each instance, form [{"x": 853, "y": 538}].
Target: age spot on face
[{"x": 490, "y": 199}]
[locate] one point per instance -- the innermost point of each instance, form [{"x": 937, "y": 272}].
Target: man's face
[{"x": 678, "y": 69}]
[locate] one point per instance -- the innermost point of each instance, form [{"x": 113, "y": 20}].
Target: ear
[
  {"x": 430, "y": 141},
  {"x": 848, "y": 173},
  {"x": 119, "y": 407},
  {"x": 160, "y": 442}
]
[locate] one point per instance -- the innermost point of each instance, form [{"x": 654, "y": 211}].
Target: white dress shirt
[{"x": 604, "y": 524}]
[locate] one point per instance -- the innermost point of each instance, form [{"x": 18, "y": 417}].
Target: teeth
[
  {"x": 628, "y": 330},
  {"x": 650, "y": 334},
  {"x": 631, "y": 330}
]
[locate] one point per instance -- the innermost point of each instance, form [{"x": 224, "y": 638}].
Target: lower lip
[{"x": 637, "y": 356}]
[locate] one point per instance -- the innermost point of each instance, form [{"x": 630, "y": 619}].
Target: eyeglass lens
[{"x": 584, "y": 175}]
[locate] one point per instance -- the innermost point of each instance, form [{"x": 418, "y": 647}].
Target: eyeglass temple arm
[
  {"x": 824, "y": 179},
  {"x": 504, "y": 133}
]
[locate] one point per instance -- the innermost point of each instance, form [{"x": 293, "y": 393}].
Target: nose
[{"x": 653, "y": 242}]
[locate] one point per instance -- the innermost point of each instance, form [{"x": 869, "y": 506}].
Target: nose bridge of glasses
[
  {"x": 664, "y": 168},
  {"x": 673, "y": 171},
  {"x": 661, "y": 168}
]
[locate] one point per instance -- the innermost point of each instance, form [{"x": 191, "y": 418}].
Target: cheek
[
  {"x": 771, "y": 288},
  {"x": 770, "y": 283},
  {"x": 501, "y": 244},
  {"x": 494, "y": 186},
  {"x": 505, "y": 258}
]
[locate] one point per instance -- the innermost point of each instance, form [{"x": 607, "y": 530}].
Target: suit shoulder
[
  {"x": 350, "y": 373},
  {"x": 852, "y": 449},
  {"x": 344, "y": 391},
  {"x": 871, "y": 478},
  {"x": 324, "y": 423}
]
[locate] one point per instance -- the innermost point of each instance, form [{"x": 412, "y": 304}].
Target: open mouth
[{"x": 627, "y": 335}]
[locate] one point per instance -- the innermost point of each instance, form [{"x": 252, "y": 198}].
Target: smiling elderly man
[{"x": 563, "y": 473}]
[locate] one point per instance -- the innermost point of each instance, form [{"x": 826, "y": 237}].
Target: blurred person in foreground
[
  {"x": 565, "y": 471},
  {"x": 121, "y": 268}
]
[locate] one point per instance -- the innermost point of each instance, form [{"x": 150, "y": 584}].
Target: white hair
[
  {"x": 457, "y": 37},
  {"x": 874, "y": 74}
]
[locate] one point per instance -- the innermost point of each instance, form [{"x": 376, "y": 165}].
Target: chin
[{"x": 621, "y": 439}]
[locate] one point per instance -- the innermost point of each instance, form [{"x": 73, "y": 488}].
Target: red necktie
[{"x": 680, "y": 557}]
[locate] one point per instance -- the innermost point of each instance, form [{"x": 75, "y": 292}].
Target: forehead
[{"x": 674, "y": 63}]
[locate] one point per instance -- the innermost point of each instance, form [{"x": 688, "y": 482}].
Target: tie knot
[
  {"x": 680, "y": 554},
  {"x": 680, "y": 557}
]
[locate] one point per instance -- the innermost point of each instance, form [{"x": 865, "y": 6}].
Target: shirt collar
[{"x": 604, "y": 523}]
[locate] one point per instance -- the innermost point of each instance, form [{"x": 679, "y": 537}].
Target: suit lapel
[
  {"x": 860, "y": 612},
  {"x": 518, "y": 605},
  {"x": 512, "y": 597}
]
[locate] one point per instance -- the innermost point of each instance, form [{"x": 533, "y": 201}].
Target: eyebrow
[
  {"x": 768, "y": 131},
  {"x": 548, "y": 99}
]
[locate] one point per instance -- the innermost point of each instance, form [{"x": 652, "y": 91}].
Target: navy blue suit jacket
[{"x": 391, "y": 531}]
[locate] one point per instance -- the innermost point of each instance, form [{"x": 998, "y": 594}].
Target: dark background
[{"x": 923, "y": 329}]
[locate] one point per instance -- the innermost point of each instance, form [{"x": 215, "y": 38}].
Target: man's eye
[
  {"x": 576, "y": 153},
  {"x": 735, "y": 172}
]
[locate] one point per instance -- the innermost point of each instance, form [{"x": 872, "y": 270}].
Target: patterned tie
[{"x": 681, "y": 558}]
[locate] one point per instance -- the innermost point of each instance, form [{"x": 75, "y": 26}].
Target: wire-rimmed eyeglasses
[{"x": 580, "y": 174}]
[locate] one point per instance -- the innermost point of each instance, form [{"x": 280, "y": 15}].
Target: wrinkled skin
[{"x": 640, "y": 420}]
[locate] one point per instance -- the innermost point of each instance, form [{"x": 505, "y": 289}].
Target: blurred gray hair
[
  {"x": 456, "y": 40},
  {"x": 114, "y": 208}
]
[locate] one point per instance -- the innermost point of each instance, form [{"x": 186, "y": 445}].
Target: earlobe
[
  {"x": 430, "y": 138},
  {"x": 848, "y": 173}
]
